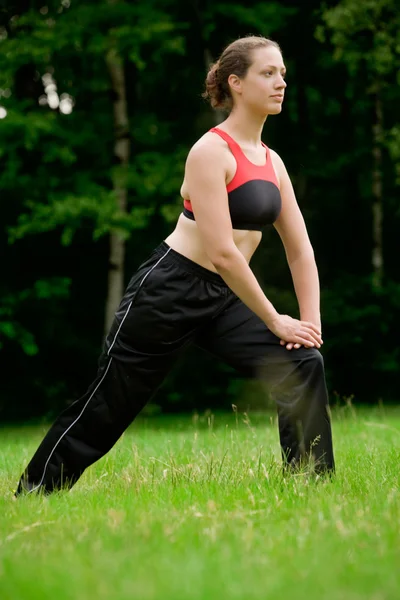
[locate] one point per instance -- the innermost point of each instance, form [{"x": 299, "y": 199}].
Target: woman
[{"x": 197, "y": 286}]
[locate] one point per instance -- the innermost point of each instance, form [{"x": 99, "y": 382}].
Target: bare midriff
[{"x": 186, "y": 240}]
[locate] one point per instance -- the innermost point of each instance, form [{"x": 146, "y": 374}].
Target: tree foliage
[{"x": 57, "y": 172}]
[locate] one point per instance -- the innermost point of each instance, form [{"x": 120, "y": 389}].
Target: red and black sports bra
[{"x": 253, "y": 194}]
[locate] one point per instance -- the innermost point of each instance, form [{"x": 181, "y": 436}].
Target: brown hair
[{"x": 236, "y": 58}]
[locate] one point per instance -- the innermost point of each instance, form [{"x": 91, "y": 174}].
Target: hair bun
[{"x": 214, "y": 89}]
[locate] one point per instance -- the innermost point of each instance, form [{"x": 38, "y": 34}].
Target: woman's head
[{"x": 249, "y": 70}]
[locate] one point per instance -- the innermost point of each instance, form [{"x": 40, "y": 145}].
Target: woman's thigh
[
  {"x": 240, "y": 338},
  {"x": 162, "y": 309}
]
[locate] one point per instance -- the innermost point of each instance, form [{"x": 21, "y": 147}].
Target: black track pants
[{"x": 169, "y": 303}]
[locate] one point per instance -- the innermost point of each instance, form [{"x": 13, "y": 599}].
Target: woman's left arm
[{"x": 300, "y": 255}]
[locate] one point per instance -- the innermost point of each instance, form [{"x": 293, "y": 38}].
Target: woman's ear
[{"x": 235, "y": 83}]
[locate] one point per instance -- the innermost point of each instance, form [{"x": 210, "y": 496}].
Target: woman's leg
[
  {"x": 162, "y": 308},
  {"x": 295, "y": 378}
]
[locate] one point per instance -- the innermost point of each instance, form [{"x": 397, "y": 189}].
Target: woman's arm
[
  {"x": 299, "y": 252},
  {"x": 205, "y": 179}
]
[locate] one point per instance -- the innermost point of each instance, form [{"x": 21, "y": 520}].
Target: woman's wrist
[
  {"x": 314, "y": 318},
  {"x": 271, "y": 314}
]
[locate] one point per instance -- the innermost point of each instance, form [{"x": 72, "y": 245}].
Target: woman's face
[{"x": 263, "y": 87}]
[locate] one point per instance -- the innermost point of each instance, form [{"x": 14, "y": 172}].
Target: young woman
[{"x": 197, "y": 286}]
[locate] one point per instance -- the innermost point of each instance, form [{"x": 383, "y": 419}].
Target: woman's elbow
[
  {"x": 223, "y": 257},
  {"x": 304, "y": 254}
]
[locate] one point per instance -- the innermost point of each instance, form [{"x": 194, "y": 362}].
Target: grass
[{"x": 196, "y": 508}]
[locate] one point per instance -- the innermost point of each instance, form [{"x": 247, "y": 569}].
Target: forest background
[{"x": 100, "y": 102}]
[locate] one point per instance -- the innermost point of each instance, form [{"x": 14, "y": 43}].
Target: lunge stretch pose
[{"x": 197, "y": 287}]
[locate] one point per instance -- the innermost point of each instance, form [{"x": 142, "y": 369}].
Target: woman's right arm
[{"x": 205, "y": 181}]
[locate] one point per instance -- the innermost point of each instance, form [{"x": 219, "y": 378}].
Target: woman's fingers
[
  {"x": 305, "y": 341},
  {"x": 311, "y": 335},
  {"x": 311, "y": 326},
  {"x": 304, "y": 335},
  {"x": 313, "y": 329},
  {"x": 290, "y": 345},
  {"x": 299, "y": 340},
  {"x": 307, "y": 334}
]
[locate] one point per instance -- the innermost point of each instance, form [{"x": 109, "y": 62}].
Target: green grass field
[{"x": 196, "y": 508}]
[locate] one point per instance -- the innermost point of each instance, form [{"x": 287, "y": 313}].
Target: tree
[
  {"x": 63, "y": 179},
  {"x": 93, "y": 38},
  {"x": 61, "y": 64},
  {"x": 366, "y": 37},
  {"x": 122, "y": 154}
]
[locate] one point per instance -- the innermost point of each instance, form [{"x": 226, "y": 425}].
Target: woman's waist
[{"x": 186, "y": 240}]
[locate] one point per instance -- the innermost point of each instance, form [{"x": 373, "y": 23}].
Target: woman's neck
[{"x": 245, "y": 127}]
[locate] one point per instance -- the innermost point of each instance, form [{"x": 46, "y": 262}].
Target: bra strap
[{"x": 234, "y": 146}]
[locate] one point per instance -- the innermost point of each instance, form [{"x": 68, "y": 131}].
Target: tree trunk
[
  {"x": 377, "y": 192},
  {"x": 122, "y": 147},
  {"x": 303, "y": 128},
  {"x": 218, "y": 114}
]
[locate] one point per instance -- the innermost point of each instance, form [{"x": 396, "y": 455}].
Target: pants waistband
[{"x": 190, "y": 265}]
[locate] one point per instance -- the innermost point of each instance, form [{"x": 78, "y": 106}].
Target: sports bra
[{"x": 253, "y": 194}]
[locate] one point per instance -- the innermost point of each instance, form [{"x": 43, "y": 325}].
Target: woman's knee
[
  {"x": 315, "y": 357},
  {"x": 312, "y": 366}
]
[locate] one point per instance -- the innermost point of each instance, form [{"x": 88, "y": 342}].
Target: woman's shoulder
[
  {"x": 209, "y": 147},
  {"x": 280, "y": 169},
  {"x": 208, "y": 140},
  {"x": 274, "y": 155},
  {"x": 277, "y": 161}
]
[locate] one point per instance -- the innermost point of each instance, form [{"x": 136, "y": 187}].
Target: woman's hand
[
  {"x": 295, "y": 333},
  {"x": 290, "y": 345}
]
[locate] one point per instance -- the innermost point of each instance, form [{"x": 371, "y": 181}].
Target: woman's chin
[
  {"x": 275, "y": 109},
  {"x": 271, "y": 109}
]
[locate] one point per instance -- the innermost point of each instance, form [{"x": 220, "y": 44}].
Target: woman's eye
[{"x": 268, "y": 72}]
